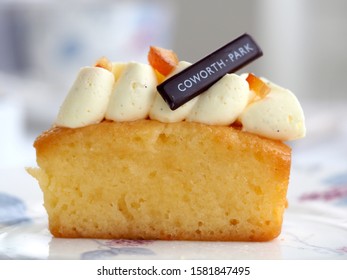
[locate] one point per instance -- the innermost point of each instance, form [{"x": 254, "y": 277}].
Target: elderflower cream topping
[
  {"x": 128, "y": 93},
  {"x": 278, "y": 115},
  {"x": 222, "y": 103},
  {"x": 133, "y": 94},
  {"x": 87, "y": 99}
]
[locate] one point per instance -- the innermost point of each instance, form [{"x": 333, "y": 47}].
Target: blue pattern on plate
[
  {"x": 115, "y": 247},
  {"x": 339, "y": 179},
  {"x": 338, "y": 183},
  {"x": 12, "y": 210},
  {"x": 109, "y": 253},
  {"x": 331, "y": 190}
]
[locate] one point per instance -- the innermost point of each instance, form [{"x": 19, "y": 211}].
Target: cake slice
[
  {"x": 150, "y": 180},
  {"x": 119, "y": 162}
]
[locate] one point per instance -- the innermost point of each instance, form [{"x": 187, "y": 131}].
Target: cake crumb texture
[{"x": 152, "y": 180}]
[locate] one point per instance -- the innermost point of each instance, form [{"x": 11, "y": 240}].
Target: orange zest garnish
[
  {"x": 162, "y": 60},
  {"x": 260, "y": 88},
  {"x": 103, "y": 62}
]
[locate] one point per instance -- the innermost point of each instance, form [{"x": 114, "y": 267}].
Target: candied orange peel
[
  {"x": 260, "y": 88},
  {"x": 162, "y": 60},
  {"x": 103, "y": 62}
]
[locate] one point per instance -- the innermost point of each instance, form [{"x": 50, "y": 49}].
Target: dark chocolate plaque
[{"x": 198, "y": 77}]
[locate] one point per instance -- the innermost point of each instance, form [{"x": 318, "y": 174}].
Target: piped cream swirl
[
  {"x": 87, "y": 99},
  {"x": 130, "y": 94}
]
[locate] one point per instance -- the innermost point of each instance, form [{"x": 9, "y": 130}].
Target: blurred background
[{"x": 43, "y": 43}]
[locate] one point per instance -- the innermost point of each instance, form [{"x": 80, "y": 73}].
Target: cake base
[{"x": 152, "y": 180}]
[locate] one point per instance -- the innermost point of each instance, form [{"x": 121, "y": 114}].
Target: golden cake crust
[{"x": 151, "y": 180}]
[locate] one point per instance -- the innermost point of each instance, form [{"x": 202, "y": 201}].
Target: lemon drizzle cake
[{"x": 119, "y": 163}]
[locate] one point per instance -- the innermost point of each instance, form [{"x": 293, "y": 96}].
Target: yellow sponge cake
[{"x": 151, "y": 180}]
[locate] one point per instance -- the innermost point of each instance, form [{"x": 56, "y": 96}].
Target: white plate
[
  {"x": 303, "y": 237},
  {"x": 310, "y": 231}
]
